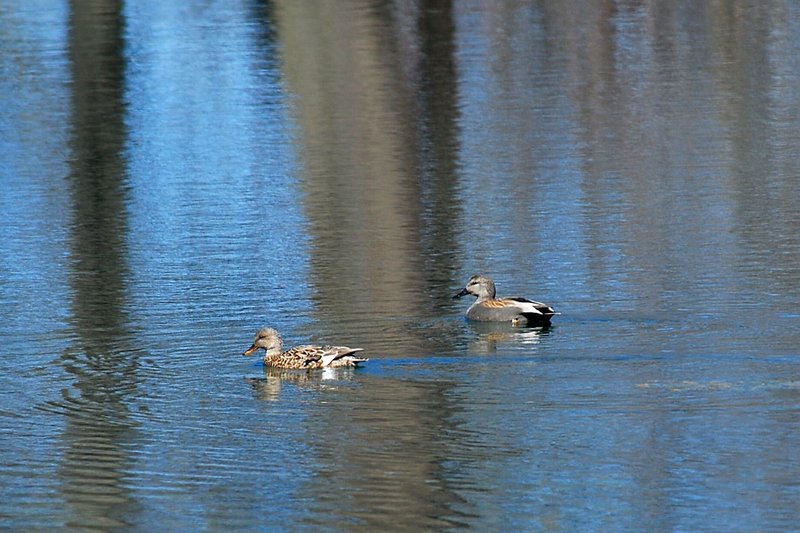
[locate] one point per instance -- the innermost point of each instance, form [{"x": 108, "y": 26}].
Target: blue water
[{"x": 176, "y": 176}]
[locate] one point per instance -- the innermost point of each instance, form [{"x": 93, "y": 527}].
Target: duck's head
[
  {"x": 480, "y": 286},
  {"x": 268, "y": 339}
]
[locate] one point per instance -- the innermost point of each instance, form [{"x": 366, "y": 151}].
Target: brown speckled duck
[
  {"x": 302, "y": 357},
  {"x": 518, "y": 311}
]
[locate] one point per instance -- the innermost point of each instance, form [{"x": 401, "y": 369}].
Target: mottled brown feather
[{"x": 306, "y": 356}]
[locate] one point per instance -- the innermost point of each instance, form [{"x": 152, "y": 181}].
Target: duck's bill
[
  {"x": 250, "y": 350},
  {"x": 463, "y": 292}
]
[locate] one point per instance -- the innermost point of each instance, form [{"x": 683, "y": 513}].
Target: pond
[{"x": 177, "y": 175}]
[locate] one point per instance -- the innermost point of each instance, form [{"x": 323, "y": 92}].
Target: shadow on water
[
  {"x": 378, "y": 199},
  {"x": 98, "y": 429},
  {"x": 383, "y": 226}
]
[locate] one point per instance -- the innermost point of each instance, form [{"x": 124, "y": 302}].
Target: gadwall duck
[
  {"x": 518, "y": 311},
  {"x": 306, "y": 357}
]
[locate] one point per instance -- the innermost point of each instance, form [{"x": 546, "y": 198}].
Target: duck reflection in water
[
  {"x": 491, "y": 334},
  {"x": 272, "y": 384}
]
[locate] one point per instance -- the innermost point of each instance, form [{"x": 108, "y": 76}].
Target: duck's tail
[
  {"x": 343, "y": 358},
  {"x": 346, "y": 361},
  {"x": 542, "y": 318}
]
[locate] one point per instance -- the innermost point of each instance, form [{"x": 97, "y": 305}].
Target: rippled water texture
[{"x": 176, "y": 175}]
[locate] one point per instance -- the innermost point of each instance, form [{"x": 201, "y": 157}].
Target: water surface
[{"x": 176, "y": 176}]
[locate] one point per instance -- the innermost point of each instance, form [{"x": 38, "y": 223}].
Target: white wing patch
[
  {"x": 527, "y": 306},
  {"x": 328, "y": 359},
  {"x": 336, "y": 353}
]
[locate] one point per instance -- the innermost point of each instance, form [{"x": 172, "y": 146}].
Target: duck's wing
[
  {"x": 531, "y": 306},
  {"x": 301, "y": 356},
  {"x": 326, "y": 354},
  {"x": 332, "y": 353}
]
